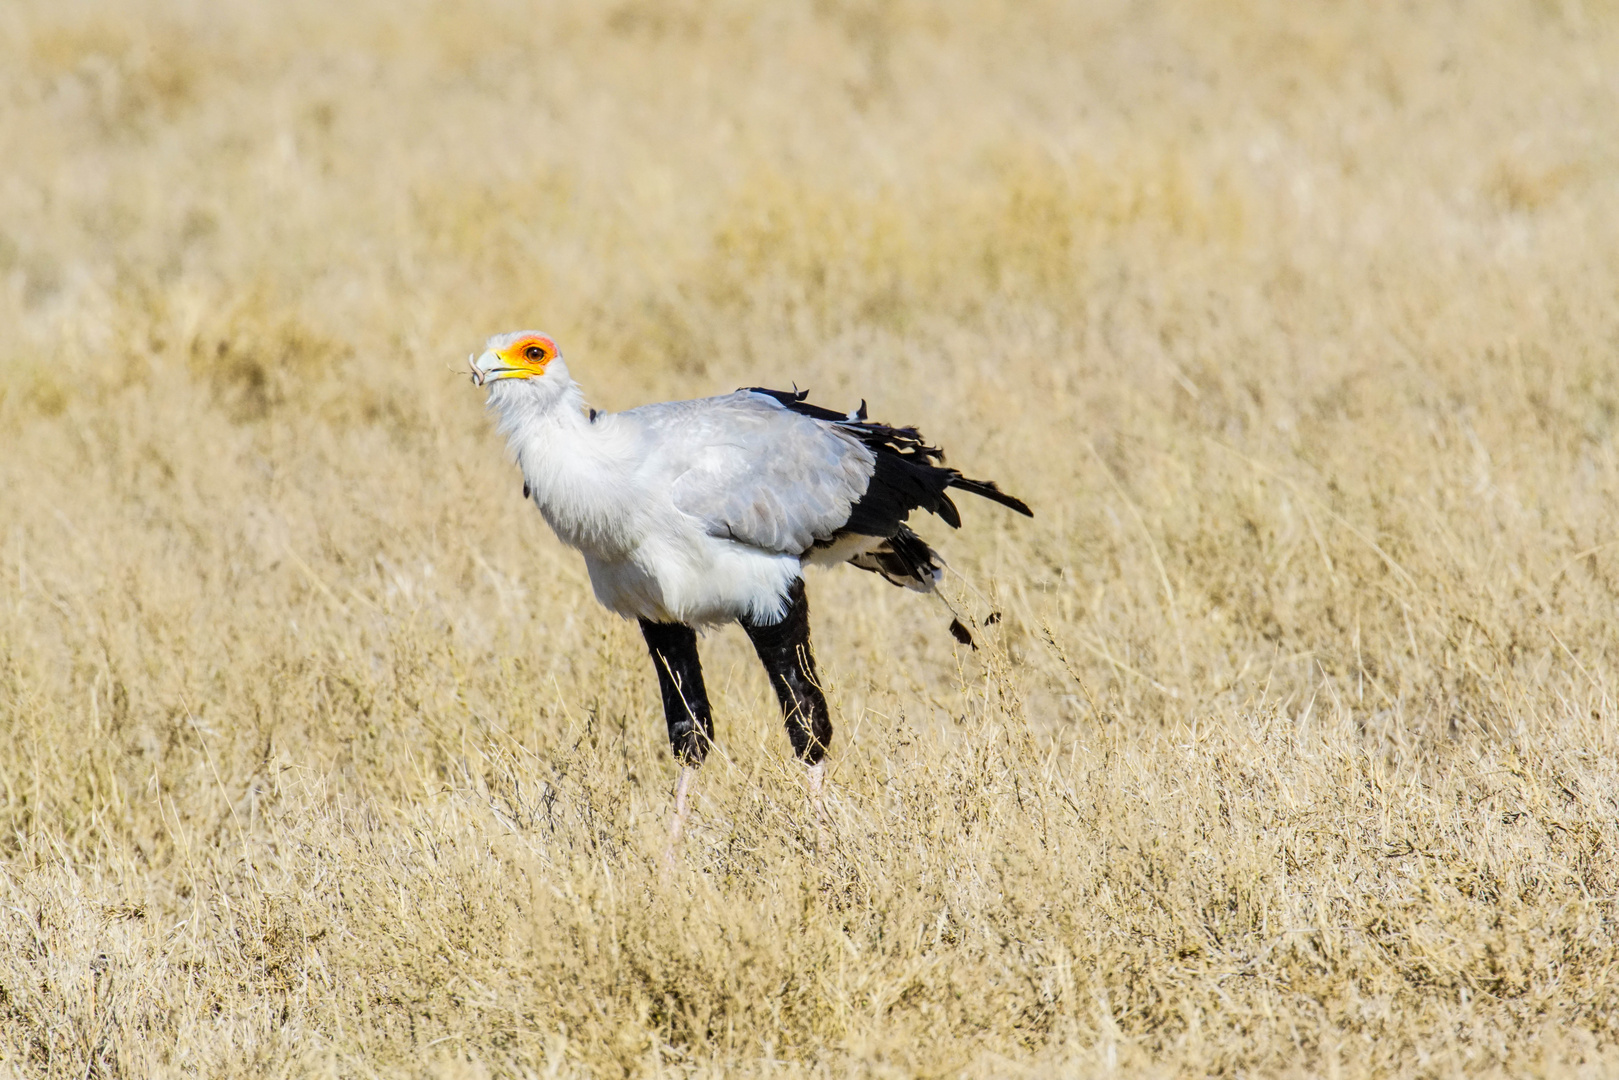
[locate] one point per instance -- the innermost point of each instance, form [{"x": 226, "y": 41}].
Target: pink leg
[
  {"x": 677, "y": 823},
  {"x": 817, "y": 784}
]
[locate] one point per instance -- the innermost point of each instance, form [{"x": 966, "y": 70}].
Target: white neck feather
[{"x": 576, "y": 470}]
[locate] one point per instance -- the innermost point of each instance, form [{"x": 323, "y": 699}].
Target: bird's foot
[{"x": 677, "y": 821}]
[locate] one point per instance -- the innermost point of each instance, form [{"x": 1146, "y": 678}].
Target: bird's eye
[{"x": 534, "y": 352}]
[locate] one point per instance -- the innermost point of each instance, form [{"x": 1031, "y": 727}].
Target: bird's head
[{"x": 525, "y": 354}]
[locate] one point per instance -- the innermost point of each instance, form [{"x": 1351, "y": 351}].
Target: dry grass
[{"x": 1294, "y": 754}]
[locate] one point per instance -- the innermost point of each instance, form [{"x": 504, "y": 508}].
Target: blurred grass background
[{"x": 1294, "y": 753}]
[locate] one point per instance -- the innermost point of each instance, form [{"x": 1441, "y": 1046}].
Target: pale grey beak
[
  {"x": 486, "y": 367},
  {"x": 489, "y": 368}
]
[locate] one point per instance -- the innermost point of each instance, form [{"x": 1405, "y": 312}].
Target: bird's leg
[
  {"x": 817, "y": 781},
  {"x": 677, "y": 820},
  {"x": 784, "y": 649},
  {"x": 685, "y": 708}
]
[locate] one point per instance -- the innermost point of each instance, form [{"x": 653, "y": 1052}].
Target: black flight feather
[
  {"x": 909, "y": 474},
  {"x": 904, "y": 559}
]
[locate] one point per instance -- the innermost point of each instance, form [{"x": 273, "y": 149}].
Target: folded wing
[
  {"x": 752, "y": 471},
  {"x": 769, "y": 469}
]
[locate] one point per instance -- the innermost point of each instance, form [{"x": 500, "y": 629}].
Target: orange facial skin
[{"x": 527, "y": 356}]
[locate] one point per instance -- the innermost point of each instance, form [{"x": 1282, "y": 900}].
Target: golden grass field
[{"x": 1294, "y": 753}]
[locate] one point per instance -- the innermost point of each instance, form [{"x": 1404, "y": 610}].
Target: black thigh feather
[
  {"x": 784, "y": 649},
  {"x": 680, "y": 679}
]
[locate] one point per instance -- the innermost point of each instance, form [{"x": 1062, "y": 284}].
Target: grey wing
[{"x": 753, "y": 471}]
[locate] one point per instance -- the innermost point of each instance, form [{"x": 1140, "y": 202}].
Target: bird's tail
[{"x": 988, "y": 489}]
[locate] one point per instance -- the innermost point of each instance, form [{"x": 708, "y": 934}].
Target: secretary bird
[{"x": 695, "y": 513}]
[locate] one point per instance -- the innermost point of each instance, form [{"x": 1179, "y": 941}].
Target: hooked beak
[{"x": 489, "y": 368}]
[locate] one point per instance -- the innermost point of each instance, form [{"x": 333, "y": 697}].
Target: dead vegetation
[{"x": 1294, "y": 752}]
